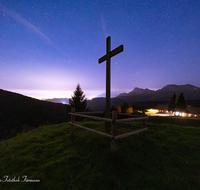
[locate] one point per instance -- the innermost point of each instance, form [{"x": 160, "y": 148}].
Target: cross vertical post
[
  {"x": 107, "y": 58},
  {"x": 108, "y": 48}
]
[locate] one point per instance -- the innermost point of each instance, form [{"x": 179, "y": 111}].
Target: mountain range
[
  {"x": 143, "y": 95},
  {"x": 137, "y": 95}
]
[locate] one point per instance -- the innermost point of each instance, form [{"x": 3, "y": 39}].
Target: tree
[
  {"x": 127, "y": 108},
  {"x": 172, "y": 103},
  {"x": 78, "y": 100},
  {"x": 181, "y": 105},
  {"x": 119, "y": 110},
  {"x": 116, "y": 108}
]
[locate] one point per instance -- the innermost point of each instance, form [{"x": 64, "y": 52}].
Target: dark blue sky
[{"x": 47, "y": 47}]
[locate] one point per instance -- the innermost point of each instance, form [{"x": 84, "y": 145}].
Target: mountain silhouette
[
  {"x": 149, "y": 97},
  {"x": 138, "y": 94}
]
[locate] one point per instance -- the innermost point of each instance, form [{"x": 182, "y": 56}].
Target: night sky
[{"x": 47, "y": 47}]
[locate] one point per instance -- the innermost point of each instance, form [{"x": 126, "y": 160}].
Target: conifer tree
[
  {"x": 78, "y": 100},
  {"x": 181, "y": 105},
  {"x": 172, "y": 103}
]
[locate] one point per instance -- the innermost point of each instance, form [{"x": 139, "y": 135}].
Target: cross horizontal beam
[{"x": 111, "y": 54}]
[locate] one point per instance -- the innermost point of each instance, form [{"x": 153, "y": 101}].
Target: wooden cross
[{"x": 106, "y": 58}]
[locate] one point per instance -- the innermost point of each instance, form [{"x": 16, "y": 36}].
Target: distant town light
[{"x": 153, "y": 110}]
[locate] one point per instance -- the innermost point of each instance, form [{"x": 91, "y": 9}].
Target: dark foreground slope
[
  {"x": 20, "y": 113},
  {"x": 167, "y": 159}
]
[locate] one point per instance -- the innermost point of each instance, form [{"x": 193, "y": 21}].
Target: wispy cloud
[
  {"x": 27, "y": 24},
  {"x": 30, "y": 26}
]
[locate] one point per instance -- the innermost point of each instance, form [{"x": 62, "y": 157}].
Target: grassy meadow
[{"x": 168, "y": 158}]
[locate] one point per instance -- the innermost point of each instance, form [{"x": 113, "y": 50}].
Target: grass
[{"x": 168, "y": 158}]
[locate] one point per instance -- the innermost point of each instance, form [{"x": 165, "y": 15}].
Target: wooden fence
[{"x": 113, "y": 136}]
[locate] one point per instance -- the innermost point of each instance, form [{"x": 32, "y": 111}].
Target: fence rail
[
  {"x": 113, "y": 122},
  {"x": 92, "y": 117}
]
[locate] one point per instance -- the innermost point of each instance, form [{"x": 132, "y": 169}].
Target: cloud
[
  {"x": 27, "y": 24},
  {"x": 30, "y": 26}
]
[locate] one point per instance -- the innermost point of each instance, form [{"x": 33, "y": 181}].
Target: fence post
[
  {"x": 143, "y": 124},
  {"x": 72, "y": 120},
  {"x": 114, "y": 131}
]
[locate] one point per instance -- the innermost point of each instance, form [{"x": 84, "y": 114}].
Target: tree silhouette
[
  {"x": 116, "y": 108},
  {"x": 78, "y": 100},
  {"x": 172, "y": 103},
  {"x": 181, "y": 105},
  {"x": 127, "y": 108}
]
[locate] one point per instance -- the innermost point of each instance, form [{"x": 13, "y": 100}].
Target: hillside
[
  {"x": 167, "y": 159},
  {"x": 20, "y": 113}
]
